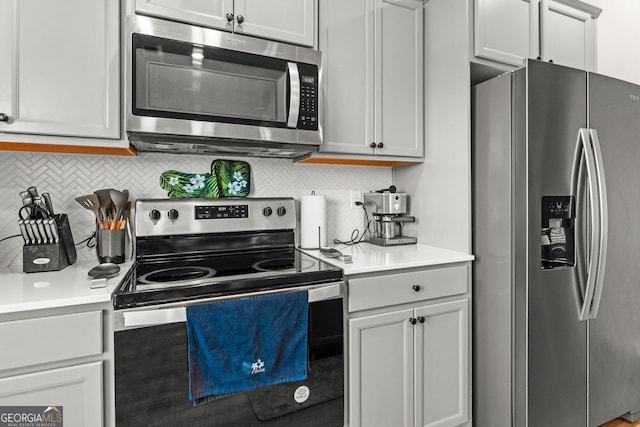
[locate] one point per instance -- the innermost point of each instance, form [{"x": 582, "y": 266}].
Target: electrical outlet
[{"x": 356, "y": 196}]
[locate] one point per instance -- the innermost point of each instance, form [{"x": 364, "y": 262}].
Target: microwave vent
[{"x": 161, "y": 143}]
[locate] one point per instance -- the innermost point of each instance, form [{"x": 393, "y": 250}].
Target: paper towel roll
[{"x": 313, "y": 222}]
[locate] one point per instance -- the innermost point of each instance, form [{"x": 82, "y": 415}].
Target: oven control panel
[
  {"x": 163, "y": 217},
  {"x": 222, "y": 212}
]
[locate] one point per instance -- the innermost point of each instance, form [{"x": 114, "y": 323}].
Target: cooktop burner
[
  {"x": 279, "y": 264},
  {"x": 188, "y": 277},
  {"x": 190, "y": 249},
  {"x": 175, "y": 276}
]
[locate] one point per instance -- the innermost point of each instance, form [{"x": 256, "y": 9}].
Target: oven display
[{"x": 217, "y": 212}]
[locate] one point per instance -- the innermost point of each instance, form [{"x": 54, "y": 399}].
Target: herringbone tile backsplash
[{"x": 67, "y": 176}]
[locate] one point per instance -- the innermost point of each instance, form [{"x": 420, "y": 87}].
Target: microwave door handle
[{"x": 294, "y": 98}]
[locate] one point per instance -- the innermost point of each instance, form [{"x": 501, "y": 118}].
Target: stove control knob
[
  {"x": 154, "y": 215},
  {"x": 267, "y": 211},
  {"x": 173, "y": 214},
  {"x": 282, "y": 210}
]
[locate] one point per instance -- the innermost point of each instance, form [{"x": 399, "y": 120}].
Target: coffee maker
[{"x": 388, "y": 209}]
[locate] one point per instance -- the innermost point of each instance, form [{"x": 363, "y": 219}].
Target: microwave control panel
[{"x": 308, "y": 118}]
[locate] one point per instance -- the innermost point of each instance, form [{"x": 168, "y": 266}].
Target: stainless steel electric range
[{"x": 190, "y": 251}]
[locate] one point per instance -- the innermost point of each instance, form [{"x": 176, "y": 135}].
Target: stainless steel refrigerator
[{"x": 556, "y": 235}]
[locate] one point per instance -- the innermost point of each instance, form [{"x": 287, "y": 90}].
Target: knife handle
[
  {"x": 23, "y": 231},
  {"x": 47, "y": 230},
  {"x": 41, "y": 230},
  {"x": 48, "y": 204},
  {"x": 32, "y": 236},
  {"x": 35, "y": 231},
  {"x": 54, "y": 230}
]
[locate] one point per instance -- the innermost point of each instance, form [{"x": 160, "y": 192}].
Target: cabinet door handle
[
  {"x": 380, "y": 145},
  {"x": 413, "y": 320},
  {"x": 4, "y": 117},
  {"x": 421, "y": 319},
  {"x": 240, "y": 19},
  {"x": 229, "y": 17},
  {"x": 416, "y": 288},
  {"x": 372, "y": 145}
]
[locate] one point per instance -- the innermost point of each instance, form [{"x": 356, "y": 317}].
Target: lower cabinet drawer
[
  {"x": 50, "y": 339},
  {"x": 391, "y": 289}
]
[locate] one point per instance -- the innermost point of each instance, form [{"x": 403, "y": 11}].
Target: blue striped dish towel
[{"x": 244, "y": 343}]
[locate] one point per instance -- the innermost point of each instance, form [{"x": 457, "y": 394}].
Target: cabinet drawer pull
[
  {"x": 413, "y": 320},
  {"x": 416, "y": 288}
]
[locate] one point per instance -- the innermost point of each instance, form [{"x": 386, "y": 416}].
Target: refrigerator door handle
[
  {"x": 604, "y": 223},
  {"x": 584, "y": 150}
]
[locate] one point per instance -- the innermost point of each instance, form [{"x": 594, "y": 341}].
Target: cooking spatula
[{"x": 91, "y": 202}]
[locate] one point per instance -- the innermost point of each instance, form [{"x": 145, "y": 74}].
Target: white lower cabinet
[
  {"x": 409, "y": 363},
  {"x": 74, "y": 394},
  {"x": 410, "y": 367},
  {"x": 54, "y": 362},
  {"x": 442, "y": 364}
]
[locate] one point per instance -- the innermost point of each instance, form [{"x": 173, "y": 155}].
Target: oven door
[
  {"x": 188, "y": 80},
  {"x": 152, "y": 377}
]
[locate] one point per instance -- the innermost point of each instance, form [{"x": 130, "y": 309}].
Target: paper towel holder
[{"x": 313, "y": 222}]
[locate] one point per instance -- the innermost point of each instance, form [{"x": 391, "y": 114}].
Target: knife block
[{"x": 52, "y": 256}]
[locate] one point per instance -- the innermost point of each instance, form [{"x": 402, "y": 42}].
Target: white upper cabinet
[
  {"x": 59, "y": 67},
  {"x": 286, "y": 20},
  {"x": 208, "y": 13},
  {"x": 289, "y": 20},
  {"x": 504, "y": 30},
  {"x": 569, "y": 36},
  {"x": 510, "y": 31},
  {"x": 372, "y": 77}
]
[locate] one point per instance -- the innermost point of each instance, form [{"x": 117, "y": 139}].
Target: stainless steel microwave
[{"x": 191, "y": 89}]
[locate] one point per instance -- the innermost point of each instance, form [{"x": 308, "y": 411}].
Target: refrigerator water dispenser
[{"x": 558, "y": 234}]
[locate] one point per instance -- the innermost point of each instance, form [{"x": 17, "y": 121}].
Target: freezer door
[
  {"x": 614, "y": 331},
  {"x": 557, "y": 338}
]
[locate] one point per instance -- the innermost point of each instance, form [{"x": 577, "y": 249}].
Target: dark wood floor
[{"x": 619, "y": 422}]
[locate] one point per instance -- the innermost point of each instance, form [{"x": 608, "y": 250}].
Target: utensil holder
[
  {"x": 111, "y": 245},
  {"x": 51, "y": 256}
]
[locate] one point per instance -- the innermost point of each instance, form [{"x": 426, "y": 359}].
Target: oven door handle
[{"x": 139, "y": 318}]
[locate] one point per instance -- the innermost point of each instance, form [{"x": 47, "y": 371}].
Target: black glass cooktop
[{"x": 178, "y": 278}]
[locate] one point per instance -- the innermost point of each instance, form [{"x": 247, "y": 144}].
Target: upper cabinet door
[
  {"x": 399, "y": 77},
  {"x": 287, "y": 20},
  {"x": 568, "y": 31},
  {"x": 59, "y": 67},
  {"x": 346, "y": 39},
  {"x": 372, "y": 53},
  {"x": 208, "y": 13},
  {"x": 506, "y": 30}
]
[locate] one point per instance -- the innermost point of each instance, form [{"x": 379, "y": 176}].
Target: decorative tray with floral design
[{"x": 228, "y": 178}]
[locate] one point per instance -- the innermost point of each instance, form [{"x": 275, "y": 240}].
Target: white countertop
[
  {"x": 368, "y": 258},
  {"x": 68, "y": 287},
  {"x": 71, "y": 286}
]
